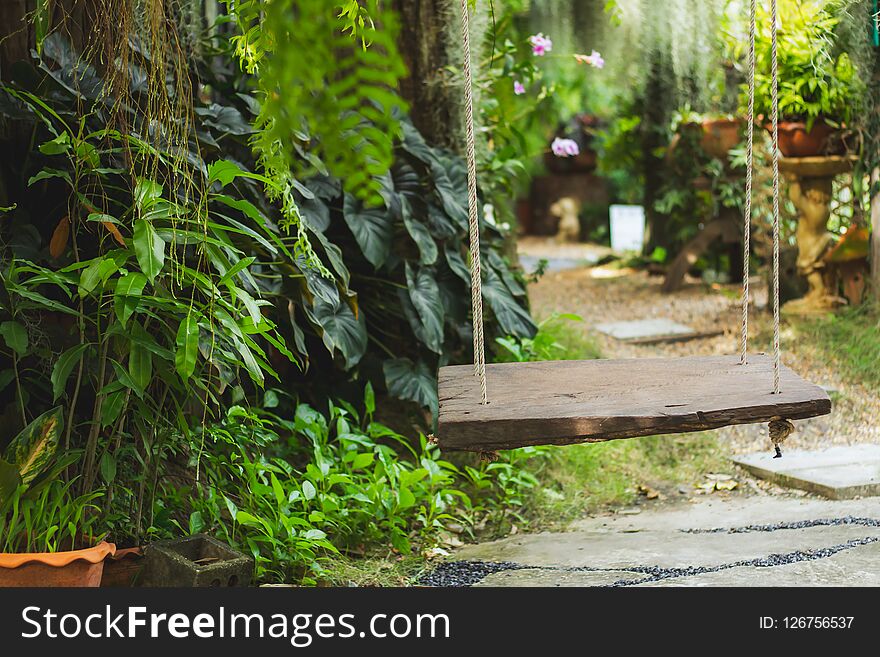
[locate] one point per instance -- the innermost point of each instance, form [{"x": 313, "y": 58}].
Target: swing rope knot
[{"x": 779, "y": 429}]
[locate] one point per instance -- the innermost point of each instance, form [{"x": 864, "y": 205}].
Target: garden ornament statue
[
  {"x": 567, "y": 209},
  {"x": 565, "y": 402}
]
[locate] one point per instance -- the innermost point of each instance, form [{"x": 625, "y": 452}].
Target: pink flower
[
  {"x": 541, "y": 45},
  {"x": 564, "y": 147},
  {"x": 594, "y": 59},
  {"x": 518, "y": 88}
]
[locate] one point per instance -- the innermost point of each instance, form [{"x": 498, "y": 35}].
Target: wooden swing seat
[{"x": 565, "y": 402}]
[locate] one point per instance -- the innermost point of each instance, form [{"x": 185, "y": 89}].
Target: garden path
[{"x": 765, "y": 535}]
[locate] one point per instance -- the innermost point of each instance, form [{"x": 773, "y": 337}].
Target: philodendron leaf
[
  {"x": 340, "y": 329},
  {"x": 187, "y": 346},
  {"x": 425, "y": 297},
  {"x": 149, "y": 248},
  {"x": 419, "y": 233},
  {"x": 412, "y": 381},
  {"x": 512, "y": 317},
  {"x": 32, "y": 449},
  {"x": 372, "y": 228}
]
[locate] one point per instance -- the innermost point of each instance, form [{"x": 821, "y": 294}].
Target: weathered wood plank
[{"x": 564, "y": 402}]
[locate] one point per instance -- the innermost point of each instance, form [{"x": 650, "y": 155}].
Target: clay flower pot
[
  {"x": 796, "y": 141},
  {"x": 52, "y": 569},
  {"x": 719, "y": 136}
]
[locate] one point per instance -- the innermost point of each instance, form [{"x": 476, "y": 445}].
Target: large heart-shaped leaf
[
  {"x": 425, "y": 298},
  {"x": 413, "y": 381},
  {"x": 340, "y": 329},
  {"x": 419, "y": 233},
  {"x": 373, "y": 229},
  {"x": 32, "y": 449},
  {"x": 513, "y": 318}
]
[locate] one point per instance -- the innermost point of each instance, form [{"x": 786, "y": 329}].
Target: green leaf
[
  {"x": 425, "y": 297},
  {"x": 340, "y": 329},
  {"x": 32, "y": 449},
  {"x": 420, "y": 234},
  {"x": 412, "y": 381},
  {"x": 146, "y": 193},
  {"x": 128, "y": 294},
  {"x": 309, "y": 490},
  {"x": 10, "y": 480},
  {"x": 140, "y": 366},
  {"x": 277, "y": 489},
  {"x": 362, "y": 460},
  {"x": 373, "y": 229},
  {"x": 369, "y": 399},
  {"x": 406, "y": 498},
  {"x": 149, "y": 248},
  {"x": 63, "y": 367},
  {"x": 57, "y": 146},
  {"x": 187, "y": 346},
  {"x": 512, "y": 317},
  {"x": 112, "y": 407},
  {"x": 96, "y": 274},
  {"x": 108, "y": 467},
  {"x": 16, "y": 337}
]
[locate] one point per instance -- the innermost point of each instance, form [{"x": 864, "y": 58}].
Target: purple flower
[
  {"x": 594, "y": 59},
  {"x": 541, "y": 45},
  {"x": 518, "y": 88},
  {"x": 564, "y": 147}
]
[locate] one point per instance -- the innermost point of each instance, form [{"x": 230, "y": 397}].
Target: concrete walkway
[{"x": 744, "y": 541}]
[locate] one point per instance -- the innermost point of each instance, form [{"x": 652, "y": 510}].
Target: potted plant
[
  {"x": 716, "y": 134},
  {"x": 46, "y": 528},
  {"x": 819, "y": 84}
]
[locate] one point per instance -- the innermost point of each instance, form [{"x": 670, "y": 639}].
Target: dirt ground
[{"x": 607, "y": 294}]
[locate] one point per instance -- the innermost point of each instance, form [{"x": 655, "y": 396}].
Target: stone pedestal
[{"x": 809, "y": 188}]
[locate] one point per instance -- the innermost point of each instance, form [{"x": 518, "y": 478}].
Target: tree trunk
[
  {"x": 425, "y": 43},
  {"x": 16, "y": 33}
]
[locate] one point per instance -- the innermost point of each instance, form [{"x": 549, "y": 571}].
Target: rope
[
  {"x": 473, "y": 218},
  {"x": 747, "y": 214},
  {"x": 775, "y": 103}
]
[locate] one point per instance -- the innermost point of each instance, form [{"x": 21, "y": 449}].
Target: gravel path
[{"x": 606, "y": 294}]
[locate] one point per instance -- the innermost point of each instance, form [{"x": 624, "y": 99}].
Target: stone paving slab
[
  {"x": 858, "y": 566},
  {"x": 533, "y": 577},
  {"x": 842, "y": 472},
  {"x": 642, "y": 329},
  {"x": 667, "y": 549}
]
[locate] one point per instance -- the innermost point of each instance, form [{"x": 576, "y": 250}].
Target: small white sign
[{"x": 627, "y": 227}]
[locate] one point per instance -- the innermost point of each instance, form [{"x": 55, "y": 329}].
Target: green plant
[
  {"x": 817, "y": 77},
  {"x": 551, "y": 342},
  {"x": 50, "y": 519},
  {"x": 294, "y": 492}
]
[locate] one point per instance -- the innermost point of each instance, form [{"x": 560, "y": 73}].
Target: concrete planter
[{"x": 195, "y": 561}]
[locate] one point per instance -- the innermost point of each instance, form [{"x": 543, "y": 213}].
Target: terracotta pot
[
  {"x": 583, "y": 162},
  {"x": 719, "y": 136},
  {"x": 123, "y": 568},
  {"x": 795, "y": 141},
  {"x": 53, "y": 569}
]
